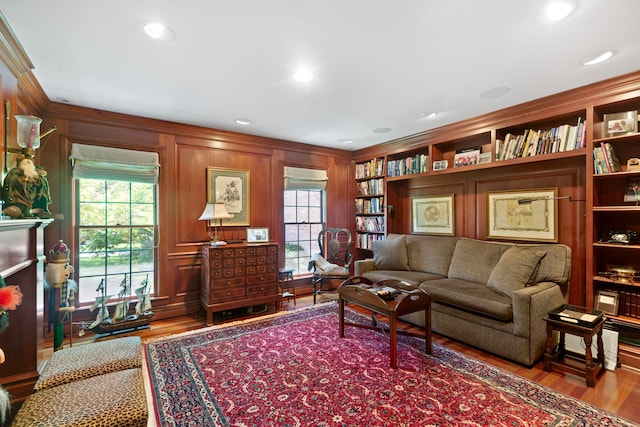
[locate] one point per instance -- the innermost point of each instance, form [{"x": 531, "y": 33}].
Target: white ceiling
[{"x": 377, "y": 63}]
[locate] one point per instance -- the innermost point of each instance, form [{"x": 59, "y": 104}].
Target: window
[
  {"x": 116, "y": 234},
  {"x": 115, "y": 219},
  {"x": 303, "y": 220}
]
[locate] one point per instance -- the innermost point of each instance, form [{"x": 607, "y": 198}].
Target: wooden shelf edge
[{"x": 629, "y": 357}]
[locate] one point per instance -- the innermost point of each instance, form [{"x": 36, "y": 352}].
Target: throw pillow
[
  {"x": 390, "y": 254},
  {"x": 515, "y": 269}
]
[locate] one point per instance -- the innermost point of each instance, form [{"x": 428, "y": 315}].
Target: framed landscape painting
[
  {"x": 523, "y": 215},
  {"x": 433, "y": 215},
  {"x": 231, "y": 187}
]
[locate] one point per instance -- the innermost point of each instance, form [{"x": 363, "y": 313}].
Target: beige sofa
[{"x": 490, "y": 295}]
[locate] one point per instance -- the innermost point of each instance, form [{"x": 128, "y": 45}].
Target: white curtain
[
  {"x": 94, "y": 162},
  {"x": 304, "y": 179}
]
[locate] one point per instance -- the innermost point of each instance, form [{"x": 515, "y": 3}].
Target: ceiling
[{"x": 378, "y": 65}]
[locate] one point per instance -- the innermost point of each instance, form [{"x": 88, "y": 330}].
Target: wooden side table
[
  {"x": 285, "y": 279},
  {"x": 557, "y": 358}
]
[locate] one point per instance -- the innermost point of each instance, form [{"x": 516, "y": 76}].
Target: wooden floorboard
[{"x": 616, "y": 391}]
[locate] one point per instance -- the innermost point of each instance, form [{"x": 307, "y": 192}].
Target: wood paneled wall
[
  {"x": 185, "y": 153},
  {"x": 469, "y": 189}
]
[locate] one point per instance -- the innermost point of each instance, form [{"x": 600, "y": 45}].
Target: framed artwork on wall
[
  {"x": 231, "y": 187},
  {"x": 523, "y": 215},
  {"x": 433, "y": 215}
]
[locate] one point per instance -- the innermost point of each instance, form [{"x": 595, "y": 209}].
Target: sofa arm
[
  {"x": 531, "y": 305},
  {"x": 361, "y": 266}
]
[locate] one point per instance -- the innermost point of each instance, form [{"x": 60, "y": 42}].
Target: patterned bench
[{"x": 97, "y": 384}]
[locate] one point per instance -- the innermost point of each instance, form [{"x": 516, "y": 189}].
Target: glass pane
[
  {"x": 92, "y": 213},
  {"x": 118, "y": 213},
  {"x": 315, "y": 214},
  {"x": 91, "y": 190},
  {"x": 315, "y": 198},
  {"x": 92, "y": 264},
  {"x": 303, "y": 198},
  {"x": 118, "y": 238},
  {"x": 142, "y": 260},
  {"x": 303, "y": 214},
  {"x": 92, "y": 239},
  {"x": 142, "y": 238},
  {"x": 290, "y": 232},
  {"x": 142, "y": 193},
  {"x": 118, "y": 191},
  {"x": 87, "y": 287},
  {"x": 142, "y": 214},
  {"x": 289, "y": 214},
  {"x": 115, "y": 284},
  {"x": 118, "y": 262},
  {"x": 289, "y": 198}
]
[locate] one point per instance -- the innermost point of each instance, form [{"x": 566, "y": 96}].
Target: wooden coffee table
[{"x": 361, "y": 292}]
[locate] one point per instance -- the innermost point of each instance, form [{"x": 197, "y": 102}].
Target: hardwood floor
[{"x": 616, "y": 391}]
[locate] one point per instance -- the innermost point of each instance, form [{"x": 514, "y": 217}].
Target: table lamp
[{"x": 211, "y": 213}]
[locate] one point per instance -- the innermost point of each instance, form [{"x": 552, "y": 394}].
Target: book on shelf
[
  {"x": 534, "y": 142},
  {"x": 605, "y": 159},
  {"x": 373, "y": 167},
  {"x": 409, "y": 165}
]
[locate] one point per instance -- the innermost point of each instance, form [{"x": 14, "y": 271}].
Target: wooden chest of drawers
[{"x": 238, "y": 276}]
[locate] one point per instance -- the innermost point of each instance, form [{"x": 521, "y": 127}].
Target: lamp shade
[
  {"x": 215, "y": 211},
  {"x": 28, "y": 131}
]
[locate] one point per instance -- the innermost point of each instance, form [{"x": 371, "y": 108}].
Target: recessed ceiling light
[
  {"x": 158, "y": 31},
  {"x": 427, "y": 115},
  {"x": 495, "y": 92},
  {"x": 303, "y": 75},
  {"x": 557, "y": 11},
  {"x": 243, "y": 121},
  {"x": 597, "y": 58},
  {"x": 381, "y": 130},
  {"x": 346, "y": 141}
]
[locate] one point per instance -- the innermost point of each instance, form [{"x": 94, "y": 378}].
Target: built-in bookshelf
[
  {"x": 370, "y": 202},
  {"x": 613, "y": 262},
  {"x": 408, "y": 164}
]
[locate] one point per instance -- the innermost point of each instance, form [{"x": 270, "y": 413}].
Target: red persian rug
[{"x": 292, "y": 369}]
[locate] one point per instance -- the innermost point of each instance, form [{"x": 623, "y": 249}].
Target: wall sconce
[
  {"x": 213, "y": 212},
  {"x": 28, "y": 136}
]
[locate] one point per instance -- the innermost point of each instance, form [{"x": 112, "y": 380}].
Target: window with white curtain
[
  {"x": 304, "y": 196},
  {"x": 115, "y": 218}
]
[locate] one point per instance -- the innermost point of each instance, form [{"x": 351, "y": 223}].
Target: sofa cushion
[
  {"x": 430, "y": 254},
  {"x": 515, "y": 270},
  {"x": 474, "y": 260},
  {"x": 390, "y": 254},
  {"x": 556, "y": 266},
  {"x": 475, "y": 297}
]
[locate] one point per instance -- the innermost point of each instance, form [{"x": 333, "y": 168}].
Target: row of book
[
  {"x": 374, "y": 223},
  {"x": 371, "y": 187},
  {"x": 366, "y": 240},
  {"x": 408, "y": 166},
  {"x": 373, "y": 167},
  {"x": 534, "y": 142},
  {"x": 605, "y": 159},
  {"x": 374, "y": 205}
]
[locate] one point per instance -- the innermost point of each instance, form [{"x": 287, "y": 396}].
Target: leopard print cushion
[
  {"x": 114, "y": 399},
  {"x": 88, "y": 360}
]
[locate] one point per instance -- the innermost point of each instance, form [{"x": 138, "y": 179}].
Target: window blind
[
  {"x": 117, "y": 164},
  {"x": 304, "y": 179}
]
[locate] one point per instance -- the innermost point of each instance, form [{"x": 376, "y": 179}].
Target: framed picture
[
  {"x": 632, "y": 191},
  {"x": 620, "y": 123},
  {"x": 523, "y": 215},
  {"x": 440, "y": 165},
  {"x": 466, "y": 158},
  {"x": 484, "y": 158},
  {"x": 257, "y": 235},
  {"x": 231, "y": 187},
  {"x": 607, "y": 302},
  {"x": 433, "y": 215}
]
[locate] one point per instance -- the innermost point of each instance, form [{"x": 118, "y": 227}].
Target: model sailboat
[{"x": 121, "y": 319}]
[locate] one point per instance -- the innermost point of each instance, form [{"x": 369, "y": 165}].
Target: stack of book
[
  {"x": 605, "y": 159},
  {"x": 534, "y": 142}
]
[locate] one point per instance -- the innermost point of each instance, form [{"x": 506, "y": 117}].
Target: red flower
[{"x": 10, "y": 297}]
